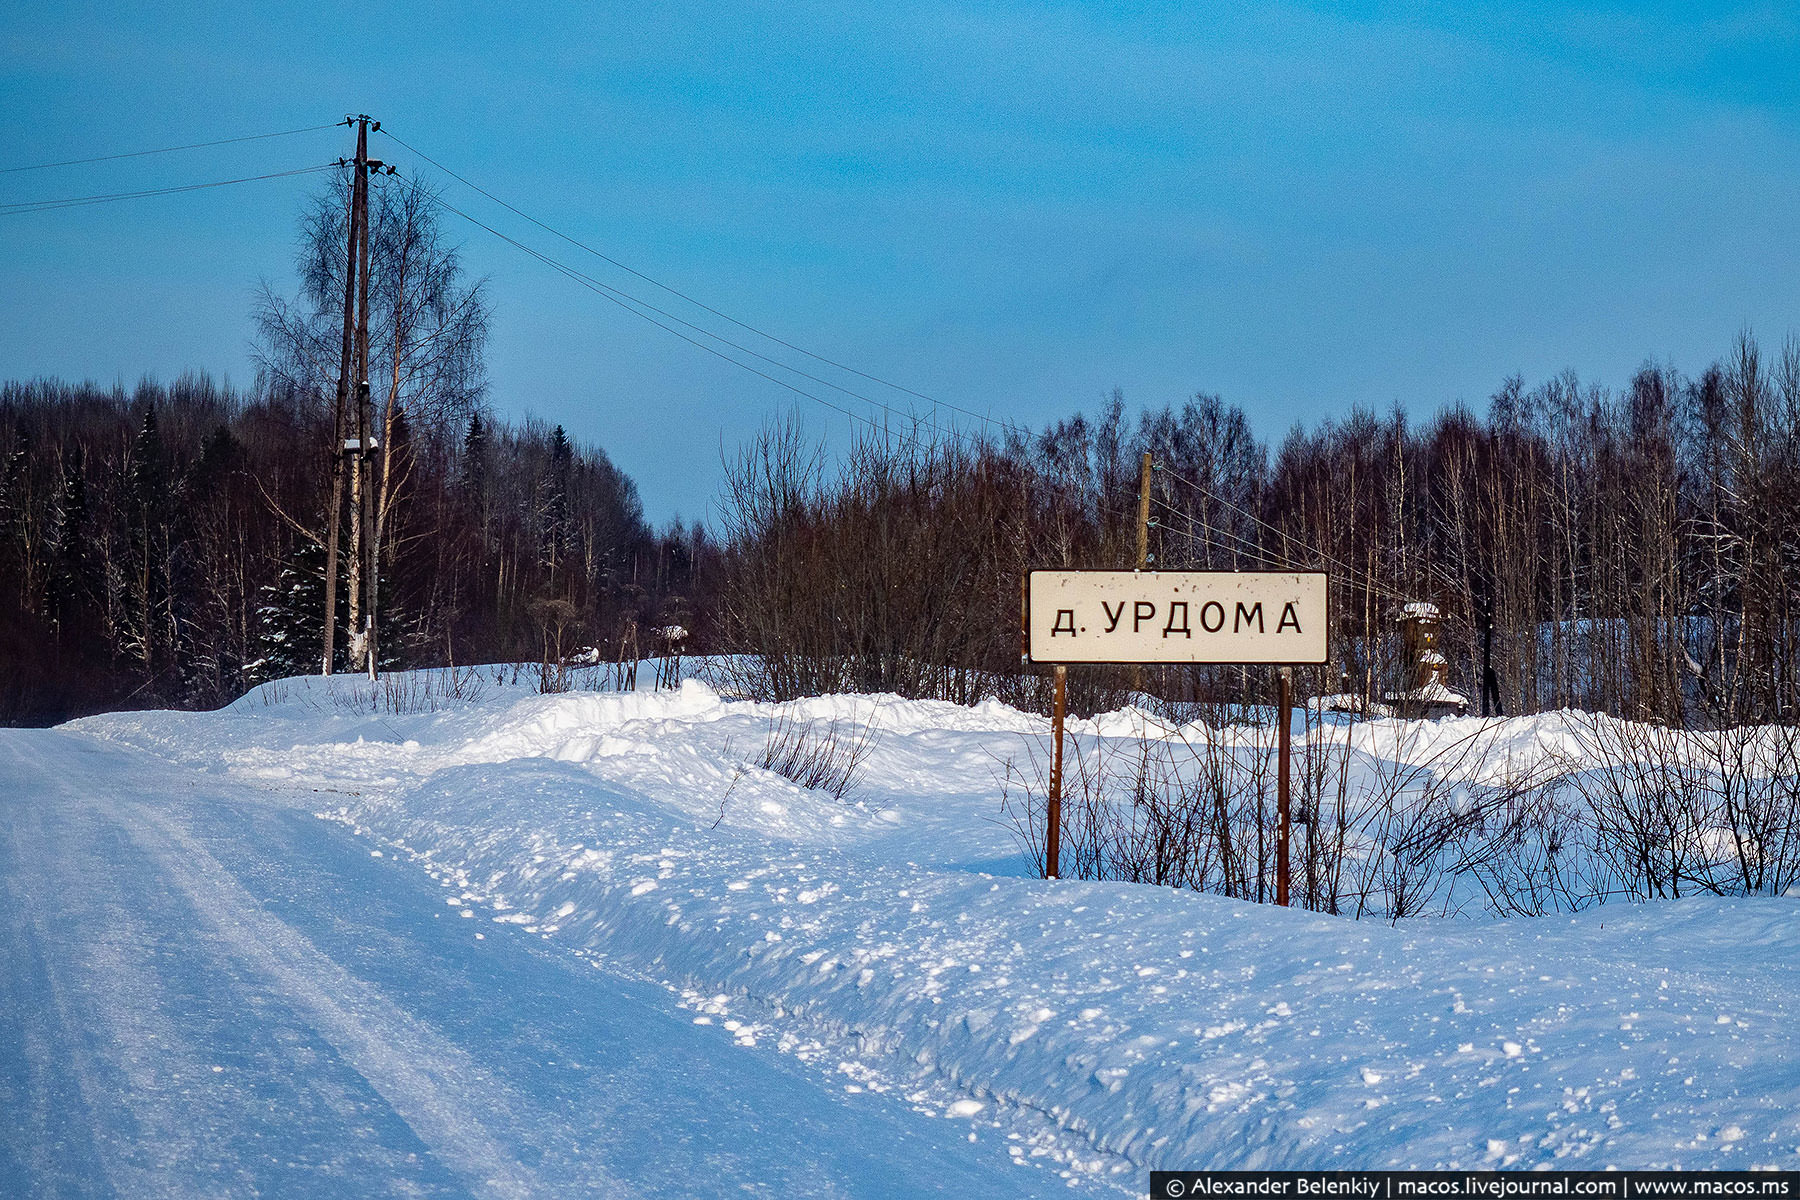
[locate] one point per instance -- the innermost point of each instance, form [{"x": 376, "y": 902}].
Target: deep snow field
[{"x": 895, "y": 946}]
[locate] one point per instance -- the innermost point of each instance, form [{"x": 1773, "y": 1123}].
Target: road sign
[{"x": 1274, "y": 617}]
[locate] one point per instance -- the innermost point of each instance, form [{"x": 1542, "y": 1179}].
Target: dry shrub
[
  {"x": 1137, "y": 810},
  {"x": 1384, "y": 837},
  {"x": 401, "y": 692},
  {"x": 1527, "y": 854},
  {"x": 827, "y": 760},
  {"x": 1671, "y": 813}
]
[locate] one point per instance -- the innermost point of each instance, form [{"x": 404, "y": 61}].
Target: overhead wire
[
  {"x": 621, "y": 297},
  {"x": 1209, "y": 535},
  {"x": 629, "y": 304},
  {"x": 642, "y": 309},
  {"x": 634, "y": 304},
  {"x": 49, "y": 205},
  {"x": 1355, "y": 576},
  {"x": 649, "y": 312},
  {"x": 627, "y": 300},
  {"x": 250, "y": 137},
  {"x": 1006, "y": 426},
  {"x": 1317, "y": 553}
]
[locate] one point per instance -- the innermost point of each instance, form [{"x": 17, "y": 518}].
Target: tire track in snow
[
  {"x": 31, "y": 1111},
  {"x": 448, "y": 1101},
  {"x": 435, "y": 1087}
]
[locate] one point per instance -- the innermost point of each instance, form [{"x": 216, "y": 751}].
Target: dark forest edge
[
  {"x": 1632, "y": 550},
  {"x": 158, "y": 545}
]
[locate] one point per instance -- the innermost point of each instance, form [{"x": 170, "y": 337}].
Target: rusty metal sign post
[{"x": 1275, "y": 618}]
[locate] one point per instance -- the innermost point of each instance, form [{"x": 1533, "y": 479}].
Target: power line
[
  {"x": 250, "y": 137},
  {"x": 762, "y": 333},
  {"x": 31, "y": 206},
  {"x": 1280, "y": 533},
  {"x": 632, "y": 304},
  {"x": 1355, "y": 577},
  {"x": 629, "y": 304},
  {"x": 1208, "y": 535},
  {"x": 621, "y": 297}
]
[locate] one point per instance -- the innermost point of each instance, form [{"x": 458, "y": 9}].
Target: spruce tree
[
  {"x": 473, "y": 481},
  {"x": 218, "y": 457},
  {"x": 148, "y": 631},
  {"x": 12, "y": 516},
  {"x": 71, "y": 587},
  {"x": 291, "y": 617},
  {"x": 556, "y": 534}
]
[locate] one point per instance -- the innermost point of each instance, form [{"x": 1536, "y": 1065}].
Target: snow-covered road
[{"x": 209, "y": 991}]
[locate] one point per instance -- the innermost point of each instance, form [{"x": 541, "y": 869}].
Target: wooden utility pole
[
  {"x": 1284, "y": 718},
  {"x": 351, "y": 454},
  {"x": 365, "y": 445},
  {"x": 1143, "y": 544},
  {"x": 346, "y": 365},
  {"x": 1143, "y": 557}
]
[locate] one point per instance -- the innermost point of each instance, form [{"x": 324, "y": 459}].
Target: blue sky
[{"x": 1012, "y": 208}]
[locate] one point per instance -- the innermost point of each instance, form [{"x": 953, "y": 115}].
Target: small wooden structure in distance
[{"x": 1429, "y": 695}]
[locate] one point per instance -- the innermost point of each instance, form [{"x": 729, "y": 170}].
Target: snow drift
[{"x": 896, "y": 941}]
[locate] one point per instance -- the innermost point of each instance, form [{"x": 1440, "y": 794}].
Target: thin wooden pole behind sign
[
  {"x": 1143, "y": 528},
  {"x": 1053, "y": 835},
  {"x": 1285, "y": 737},
  {"x": 1143, "y": 547}
]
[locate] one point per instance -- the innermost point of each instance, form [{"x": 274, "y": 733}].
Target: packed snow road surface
[{"x": 206, "y": 990}]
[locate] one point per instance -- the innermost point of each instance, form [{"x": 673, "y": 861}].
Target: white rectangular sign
[{"x": 1176, "y": 616}]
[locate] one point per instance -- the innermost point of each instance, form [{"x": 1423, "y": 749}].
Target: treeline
[
  {"x": 160, "y": 545},
  {"x": 1628, "y": 551},
  {"x": 1632, "y": 552}
]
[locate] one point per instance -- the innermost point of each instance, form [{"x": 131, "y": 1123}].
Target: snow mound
[{"x": 896, "y": 939}]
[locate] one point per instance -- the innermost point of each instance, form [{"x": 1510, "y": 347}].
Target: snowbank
[{"x": 898, "y": 942}]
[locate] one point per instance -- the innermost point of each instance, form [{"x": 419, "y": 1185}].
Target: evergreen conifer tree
[
  {"x": 556, "y": 532},
  {"x": 148, "y": 618},
  {"x": 291, "y": 618},
  {"x": 473, "y": 481},
  {"x": 12, "y": 512},
  {"x": 71, "y": 588}
]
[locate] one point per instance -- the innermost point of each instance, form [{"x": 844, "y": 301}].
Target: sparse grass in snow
[{"x": 826, "y": 759}]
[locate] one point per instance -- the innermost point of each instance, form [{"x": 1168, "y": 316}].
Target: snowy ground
[{"x": 638, "y": 950}]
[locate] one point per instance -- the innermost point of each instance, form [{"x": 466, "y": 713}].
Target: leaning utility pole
[{"x": 348, "y": 452}]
